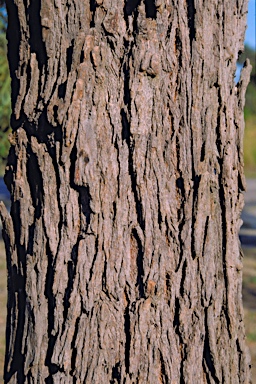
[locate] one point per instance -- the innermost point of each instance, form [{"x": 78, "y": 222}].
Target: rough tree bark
[{"x": 126, "y": 177}]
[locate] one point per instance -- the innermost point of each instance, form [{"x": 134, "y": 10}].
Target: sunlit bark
[{"x": 126, "y": 176}]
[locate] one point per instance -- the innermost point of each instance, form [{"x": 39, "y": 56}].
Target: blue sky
[{"x": 251, "y": 21}]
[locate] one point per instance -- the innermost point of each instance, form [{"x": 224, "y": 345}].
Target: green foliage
[
  {"x": 5, "y": 91},
  {"x": 250, "y": 115}
]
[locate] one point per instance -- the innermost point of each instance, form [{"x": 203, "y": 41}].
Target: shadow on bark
[{"x": 150, "y": 8}]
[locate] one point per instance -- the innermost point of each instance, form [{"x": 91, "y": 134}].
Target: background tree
[
  {"x": 126, "y": 176},
  {"x": 250, "y": 115},
  {"x": 5, "y": 91}
]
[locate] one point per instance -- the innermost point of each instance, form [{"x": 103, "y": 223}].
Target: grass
[{"x": 250, "y": 146}]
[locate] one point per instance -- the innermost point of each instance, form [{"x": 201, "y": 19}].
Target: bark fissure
[
  {"x": 139, "y": 261},
  {"x": 164, "y": 376},
  {"x": 224, "y": 251},
  {"x": 127, "y": 136},
  {"x": 191, "y": 21},
  {"x": 36, "y": 39},
  {"x": 14, "y": 38},
  {"x": 51, "y": 301},
  {"x": 130, "y": 6},
  {"x": 207, "y": 355},
  {"x": 72, "y": 270},
  {"x": 127, "y": 330},
  {"x": 150, "y": 9}
]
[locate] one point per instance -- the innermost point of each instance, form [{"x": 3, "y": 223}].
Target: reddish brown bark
[{"x": 126, "y": 175}]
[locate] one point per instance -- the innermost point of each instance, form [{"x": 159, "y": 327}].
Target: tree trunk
[{"x": 126, "y": 177}]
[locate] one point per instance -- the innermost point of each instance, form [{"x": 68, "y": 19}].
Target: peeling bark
[{"x": 126, "y": 177}]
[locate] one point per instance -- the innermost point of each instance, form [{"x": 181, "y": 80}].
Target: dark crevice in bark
[
  {"x": 116, "y": 374},
  {"x": 84, "y": 201},
  {"x": 205, "y": 232},
  {"x": 164, "y": 376},
  {"x": 218, "y": 125},
  {"x": 73, "y": 157},
  {"x": 207, "y": 355},
  {"x": 178, "y": 45},
  {"x": 222, "y": 201},
  {"x": 150, "y": 9},
  {"x": 9, "y": 175},
  {"x": 239, "y": 353},
  {"x": 51, "y": 306},
  {"x": 241, "y": 185},
  {"x": 49, "y": 379},
  {"x": 62, "y": 90},
  {"x": 168, "y": 288},
  {"x": 17, "y": 123},
  {"x": 183, "y": 277},
  {"x": 127, "y": 330},
  {"x": 181, "y": 218},
  {"x": 53, "y": 368},
  {"x": 125, "y": 127},
  {"x": 44, "y": 131},
  {"x": 159, "y": 214},
  {"x": 224, "y": 255},
  {"x": 55, "y": 112},
  {"x": 17, "y": 357},
  {"x": 104, "y": 279},
  {"x": 69, "y": 59},
  {"x": 83, "y": 191},
  {"x": 94, "y": 257},
  {"x": 110, "y": 40},
  {"x": 126, "y": 75},
  {"x": 36, "y": 39},
  {"x": 10, "y": 297},
  {"x": 16, "y": 301},
  {"x": 126, "y": 135},
  {"x": 71, "y": 266},
  {"x": 74, "y": 349},
  {"x": 118, "y": 178},
  {"x": 202, "y": 156},
  {"x": 139, "y": 261},
  {"x": 195, "y": 199},
  {"x": 35, "y": 182},
  {"x": 114, "y": 209},
  {"x": 13, "y": 36},
  {"x": 191, "y": 20},
  {"x": 176, "y": 320},
  {"x": 131, "y": 6},
  {"x": 17, "y": 225},
  {"x": 176, "y": 323},
  {"x": 180, "y": 185},
  {"x": 93, "y": 6},
  {"x": 82, "y": 57}
]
